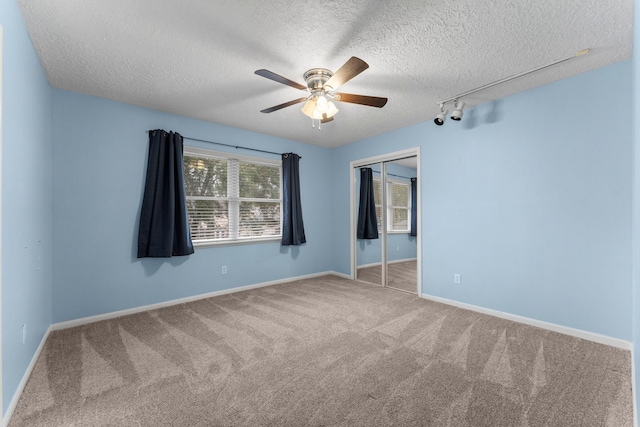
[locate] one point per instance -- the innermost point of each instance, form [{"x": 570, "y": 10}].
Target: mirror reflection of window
[
  {"x": 401, "y": 253},
  {"x": 398, "y": 204}
]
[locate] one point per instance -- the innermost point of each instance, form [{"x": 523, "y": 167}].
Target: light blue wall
[
  {"x": 528, "y": 198},
  {"x": 26, "y": 200},
  {"x": 636, "y": 200},
  {"x": 100, "y": 155}
]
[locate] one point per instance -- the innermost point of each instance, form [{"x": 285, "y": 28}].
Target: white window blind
[
  {"x": 232, "y": 198},
  {"x": 398, "y": 204}
]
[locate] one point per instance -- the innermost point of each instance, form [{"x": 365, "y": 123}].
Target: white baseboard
[
  {"x": 590, "y": 336},
  {"x": 374, "y": 264},
  {"x": 120, "y": 313},
  {"x": 344, "y": 276},
  {"x": 396, "y": 261},
  {"x": 25, "y": 378}
]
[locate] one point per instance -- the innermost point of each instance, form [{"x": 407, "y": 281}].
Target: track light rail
[{"x": 506, "y": 79}]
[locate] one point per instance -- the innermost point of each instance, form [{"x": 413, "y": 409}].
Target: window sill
[
  {"x": 399, "y": 232},
  {"x": 247, "y": 241}
]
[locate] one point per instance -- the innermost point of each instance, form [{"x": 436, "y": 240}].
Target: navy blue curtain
[
  {"x": 164, "y": 228},
  {"x": 292, "y": 224},
  {"x": 367, "y": 221},
  {"x": 414, "y": 207}
]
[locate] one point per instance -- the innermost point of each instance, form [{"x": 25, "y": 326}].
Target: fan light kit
[
  {"x": 318, "y": 107},
  {"x": 321, "y": 85},
  {"x": 459, "y": 105}
]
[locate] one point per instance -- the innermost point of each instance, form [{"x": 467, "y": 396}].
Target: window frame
[{"x": 232, "y": 200}]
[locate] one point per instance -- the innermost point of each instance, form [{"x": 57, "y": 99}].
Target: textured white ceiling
[{"x": 197, "y": 58}]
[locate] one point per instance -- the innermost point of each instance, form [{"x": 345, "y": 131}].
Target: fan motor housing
[{"x": 316, "y": 78}]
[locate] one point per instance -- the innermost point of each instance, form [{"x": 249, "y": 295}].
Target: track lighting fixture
[
  {"x": 441, "y": 117},
  {"x": 459, "y": 105},
  {"x": 457, "y": 113}
]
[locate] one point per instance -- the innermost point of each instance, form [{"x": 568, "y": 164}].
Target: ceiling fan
[{"x": 321, "y": 85}]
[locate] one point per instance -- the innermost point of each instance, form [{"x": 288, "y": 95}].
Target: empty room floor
[{"x": 322, "y": 352}]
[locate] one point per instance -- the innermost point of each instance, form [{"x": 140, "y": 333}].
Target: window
[
  {"x": 232, "y": 198},
  {"x": 398, "y": 205}
]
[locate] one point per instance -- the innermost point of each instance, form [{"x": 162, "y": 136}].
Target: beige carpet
[
  {"x": 400, "y": 275},
  {"x": 323, "y": 352}
]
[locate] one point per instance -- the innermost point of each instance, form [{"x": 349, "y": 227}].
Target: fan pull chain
[{"x": 313, "y": 124}]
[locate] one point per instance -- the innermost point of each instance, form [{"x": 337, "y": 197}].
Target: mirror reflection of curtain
[
  {"x": 367, "y": 222},
  {"x": 414, "y": 207}
]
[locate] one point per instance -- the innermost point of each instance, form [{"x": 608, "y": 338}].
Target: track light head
[
  {"x": 441, "y": 117},
  {"x": 457, "y": 113}
]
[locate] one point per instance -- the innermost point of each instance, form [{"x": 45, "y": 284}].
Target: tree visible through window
[{"x": 232, "y": 198}]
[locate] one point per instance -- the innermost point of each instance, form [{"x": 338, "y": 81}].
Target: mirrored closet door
[
  {"x": 369, "y": 224},
  {"x": 401, "y": 238},
  {"x": 384, "y": 204}
]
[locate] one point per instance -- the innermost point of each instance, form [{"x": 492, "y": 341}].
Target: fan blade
[
  {"x": 281, "y": 106},
  {"x": 326, "y": 119},
  {"x": 371, "y": 101},
  {"x": 278, "y": 78},
  {"x": 349, "y": 70}
]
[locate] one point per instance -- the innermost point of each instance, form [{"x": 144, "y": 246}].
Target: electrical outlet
[
  {"x": 224, "y": 269},
  {"x": 456, "y": 278},
  {"x": 24, "y": 333}
]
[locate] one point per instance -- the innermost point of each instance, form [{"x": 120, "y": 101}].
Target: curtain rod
[
  {"x": 393, "y": 174},
  {"x": 232, "y": 146},
  {"x": 384, "y": 161}
]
